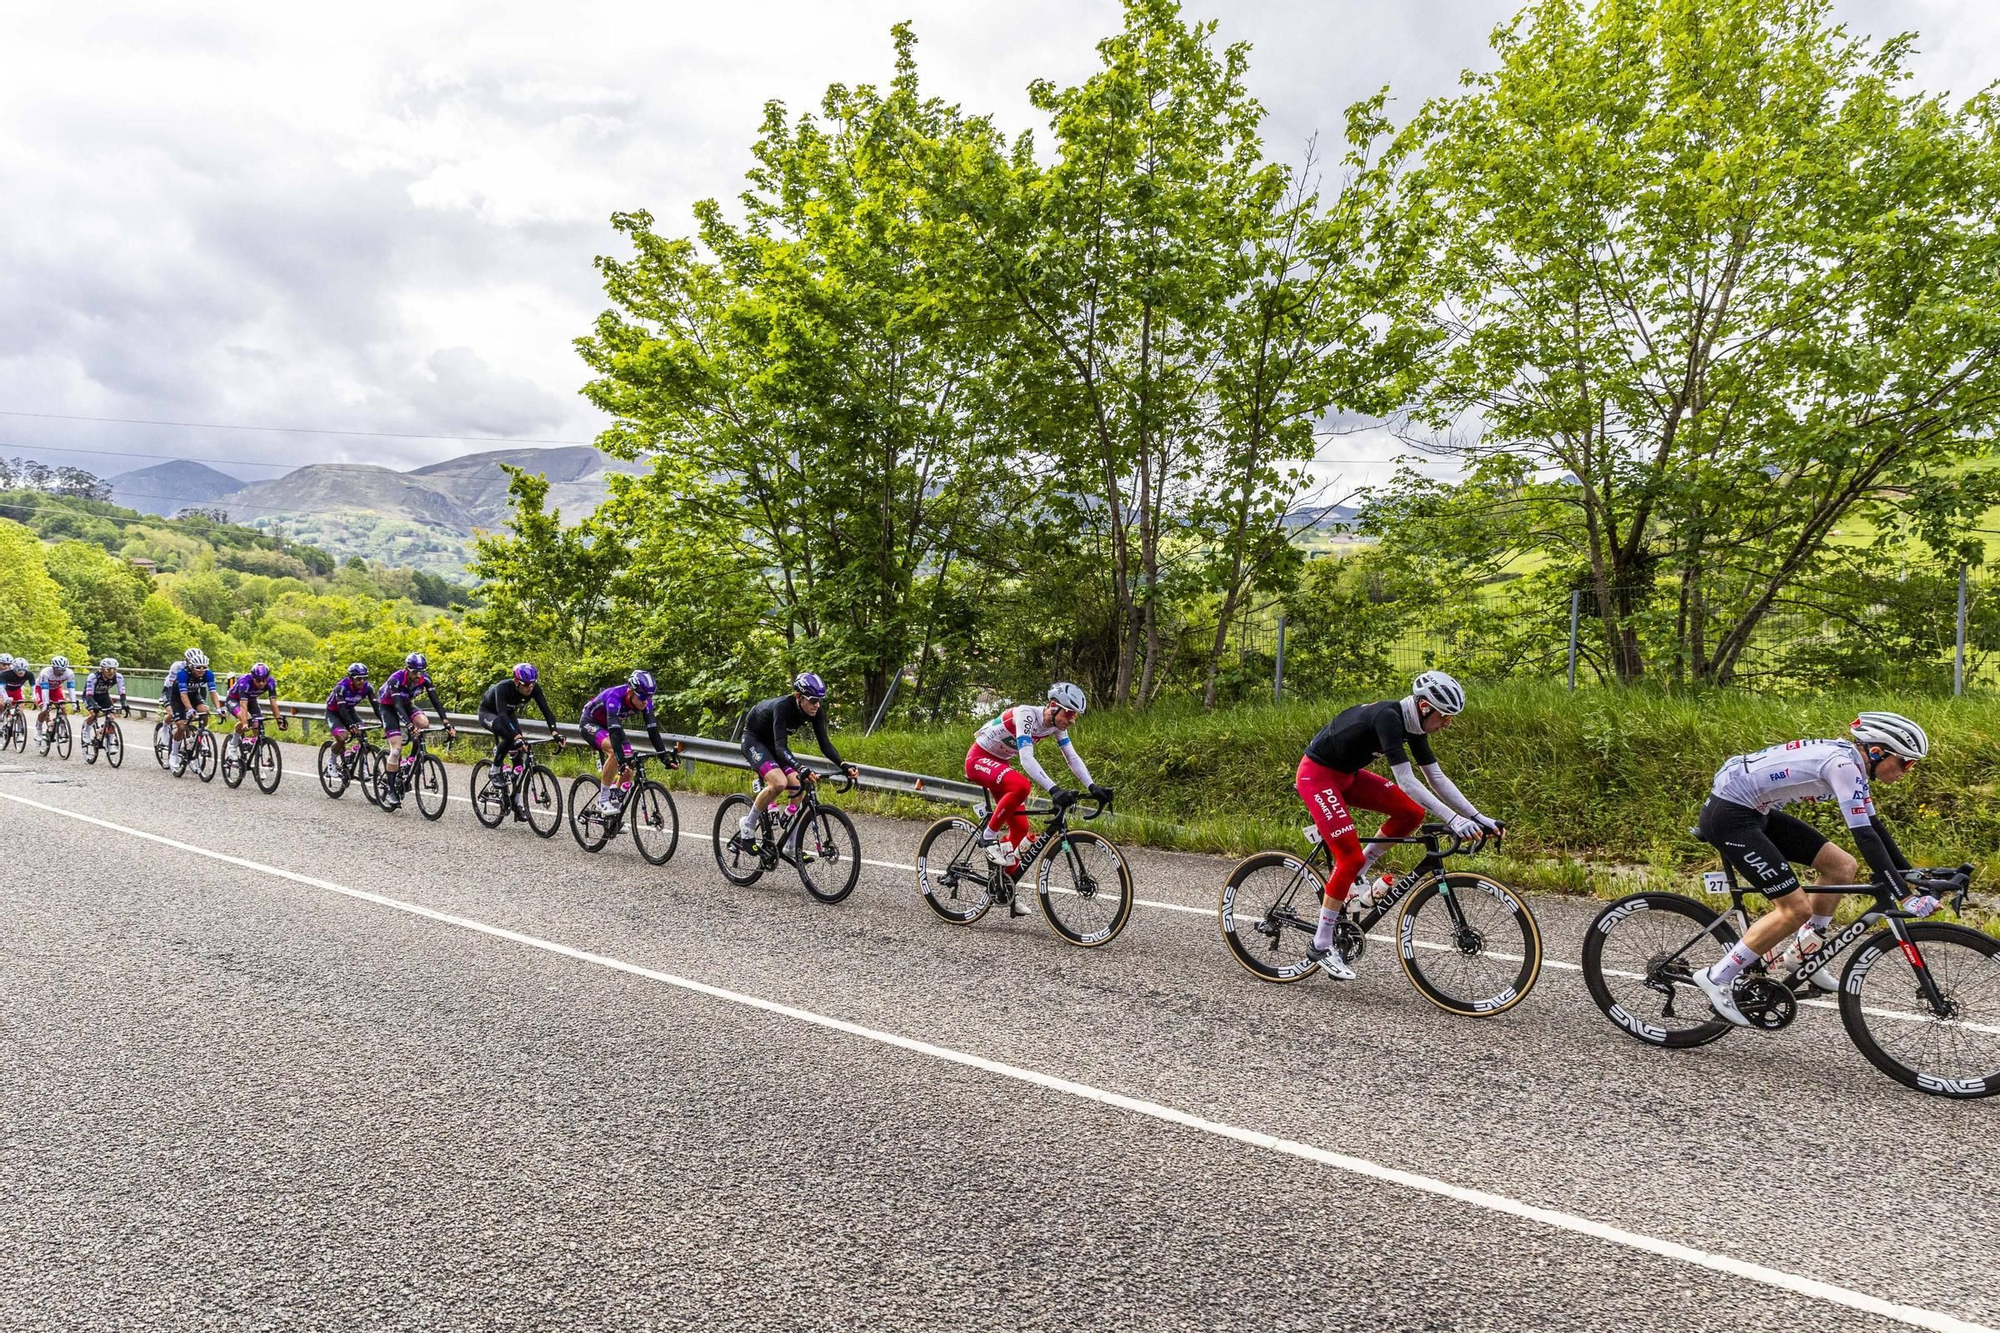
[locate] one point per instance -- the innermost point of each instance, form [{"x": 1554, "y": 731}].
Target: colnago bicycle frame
[{"x": 1321, "y": 859}]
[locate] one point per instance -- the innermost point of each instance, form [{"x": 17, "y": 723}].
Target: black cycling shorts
[
  {"x": 345, "y": 717},
  {"x": 505, "y": 727},
  {"x": 762, "y": 754},
  {"x": 1762, "y": 847},
  {"x": 396, "y": 718},
  {"x": 178, "y": 709}
]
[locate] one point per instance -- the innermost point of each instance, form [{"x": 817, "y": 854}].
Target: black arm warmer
[{"x": 1896, "y": 856}]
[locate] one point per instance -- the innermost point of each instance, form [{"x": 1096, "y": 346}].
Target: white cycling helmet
[
  {"x": 59, "y": 663},
  {"x": 1065, "y": 695},
  {"x": 108, "y": 664},
  {"x": 196, "y": 658},
  {"x": 6, "y": 660},
  {"x": 1893, "y": 732},
  {"x": 1440, "y": 691}
]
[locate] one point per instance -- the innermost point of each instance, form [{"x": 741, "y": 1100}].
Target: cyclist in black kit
[
  {"x": 504, "y": 701},
  {"x": 767, "y": 730}
]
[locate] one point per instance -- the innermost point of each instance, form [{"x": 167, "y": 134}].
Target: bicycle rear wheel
[
  {"x": 113, "y": 738},
  {"x": 656, "y": 823},
  {"x": 1476, "y": 961},
  {"x": 1952, "y": 1052},
  {"x": 1086, "y": 888},
  {"x": 952, "y": 872},
  {"x": 233, "y": 761},
  {"x": 1639, "y": 957},
  {"x": 267, "y": 765},
  {"x": 586, "y": 824},
  {"x": 829, "y": 852},
  {"x": 1268, "y": 913},
  {"x": 433, "y": 788},
  {"x": 205, "y": 759},
  {"x": 540, "y": 799},
  {"x": 733, "y": 857}
]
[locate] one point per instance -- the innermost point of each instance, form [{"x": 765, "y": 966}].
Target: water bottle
[
  {"x": 1367, "y": 891},
  {"x": 1792, "y": 953}
]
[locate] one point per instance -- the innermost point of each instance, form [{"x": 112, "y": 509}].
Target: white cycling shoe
[
  {"x": 1330, "y": 962},
  {"x": 1721, "y": 998}
]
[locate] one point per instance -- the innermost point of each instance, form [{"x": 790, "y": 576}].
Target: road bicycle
[
  {"x": 358, "y": 761},
  {"x": 1920, "y": 999},
  {"x": 55, "y": 733},
  {"x": 1084, "y": 885},
  {"x": 197, "y": 742},
  {"x": 645, "y": 804},
  {"x": 529, "y": 789},
  {"x": 101, "y": 735},
  {"x": 817, "y": 840},
  {"x": 258, "y": 756},
  {"x": 420, "y": 771},
  {"x": 1468, "y": 943},
  {"x": 13, "y": 727}
]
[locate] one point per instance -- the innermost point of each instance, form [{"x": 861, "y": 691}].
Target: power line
[{"x": 286, "y": 430}]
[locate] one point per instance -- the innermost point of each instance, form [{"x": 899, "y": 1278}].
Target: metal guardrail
[{"x": 701, "y": 749}]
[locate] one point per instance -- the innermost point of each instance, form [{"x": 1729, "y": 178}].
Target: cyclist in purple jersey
[
  {"x": 603, "y": 727},
  {"x": 241, "y": 699},
  {"x": 397, "y": 703}
]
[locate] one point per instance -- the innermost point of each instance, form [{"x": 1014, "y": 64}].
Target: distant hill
[
  {"x": 167, "y": 488},
  {"x": 423, "y": 518}
]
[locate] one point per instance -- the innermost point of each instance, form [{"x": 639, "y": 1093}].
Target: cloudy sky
[{"x": 380, "y": 218}]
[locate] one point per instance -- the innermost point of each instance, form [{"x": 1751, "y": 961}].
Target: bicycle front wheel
[
  {"x": 233, "y": 766},
  {"x": 332, "y": 771},
  {"x": 951, "y": 872},
  {"x": 540, "y": 798},
  {"x": 113, "y": 739},
  {"x": 205, "y": 756},
  {"x": 433, "y": 788},
  {"x": 267, "y": 766},
  {"x": 1951, "y": 1049},
  {"x": 374, "y": 767},
  {"x": 1639, "y": 959},
  {"x": 489, "y": 801},
  {"x": 733, "y": 856},
  {"x": 829, "y": 854},
  {"x": 1086, "y": 888},
  {"x": 90, "y": 745},
  {"x": 655, "y": 821},
  {"x": 1469, "y": 944},
  {"x": 586, "y": 822},
  {"x": 63, "y": 737},
  {"x": 1268, "y": 913},
  {"x": 162, "y": 743}
]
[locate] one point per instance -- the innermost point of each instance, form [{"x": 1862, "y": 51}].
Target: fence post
[
  {"x": 1278, "y": 671},
  {"x": 1575, "y": 606},
  {"x": 1958, "y": 651},
  {"x": 888, "y": 698}
]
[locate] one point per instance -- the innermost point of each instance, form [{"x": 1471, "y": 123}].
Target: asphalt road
[{"x": 522, "y": 1087}]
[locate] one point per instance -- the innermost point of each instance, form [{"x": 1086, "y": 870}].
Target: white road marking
[{"x": 1812, "y": 1288}]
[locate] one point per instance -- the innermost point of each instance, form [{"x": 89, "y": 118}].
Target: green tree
[
  {"x": 33, "y": 621},
  {"x": 102, "y": 595},
  {"x": 1710, "y": 261}
]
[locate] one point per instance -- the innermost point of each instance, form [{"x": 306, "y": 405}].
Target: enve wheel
[
  {"x": 1086, "y": 888},
  {"x": 1639, "y": 957},
  {"x": 951, "y": 872},
  {"x": 829, "y": 852},
  {"x": 1469, "y": 944},
  {"x": 540, "y": 799},
  {"x": 113, "y": 738},
  {"x": 489, "y": 804},
  {"x": 332, "y": 771},
  {"x": 738, "y": 864},
  {"x": 1268, "y": 913},
  {"x": 431, "y": 785},
  {"x": 1953, "y": 1053},
  {"x": 586, "y": 825},
  {"x": 655, "y": 822},
  {"x": 267, "y": 765}
]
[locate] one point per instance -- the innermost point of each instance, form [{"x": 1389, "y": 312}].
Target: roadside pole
[{"x": 1575, "y": 607}]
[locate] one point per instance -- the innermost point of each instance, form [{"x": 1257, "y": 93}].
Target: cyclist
[
  {"x": 397, "y": 703},
  {"x": 1334, "y": 774},
  {"x": 1012, "y": 734},
  {"x": 186, "y": 693},
  {"x": 1744, "y": 821},
  {"x": 343, "y": 704},
  {"x": 52, "y": 686},
  {"x": 500, "y": 709},
  {"x": 767, "y": 731},
  {"x": 241, "y": 700},
  {"x": 98, "y": 687},
  {"x": 15, "y": 677},
  {"x": 602, "y": 724}
]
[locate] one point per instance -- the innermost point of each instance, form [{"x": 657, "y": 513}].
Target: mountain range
[{"x": 424, "y": 518}]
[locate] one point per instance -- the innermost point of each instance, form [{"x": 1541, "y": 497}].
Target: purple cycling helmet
[
  {"x": 260, "y": 672},
  {"x": 809, "y": 684},
  {"x": 525, "y": 674}
]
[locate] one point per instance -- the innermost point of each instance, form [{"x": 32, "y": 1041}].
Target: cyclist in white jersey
[
  {"x": 1013, "y": 734},
  {"x": 1744, "y": 821}
]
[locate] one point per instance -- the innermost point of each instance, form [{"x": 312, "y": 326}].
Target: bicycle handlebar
[{"x": 1102, "y": 806}]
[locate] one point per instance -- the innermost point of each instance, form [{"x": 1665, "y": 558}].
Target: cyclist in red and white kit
[
  {"x": 1013, "y": 734},
  {"x": 1333, "y": 775}
]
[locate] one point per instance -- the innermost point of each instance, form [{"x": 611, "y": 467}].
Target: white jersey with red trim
[
  {"x": 1823, "y": 770},
  {"x": 1015, "y": 732}
]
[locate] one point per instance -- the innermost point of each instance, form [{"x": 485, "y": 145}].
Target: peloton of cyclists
[{"x": 767, "y": 731}]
